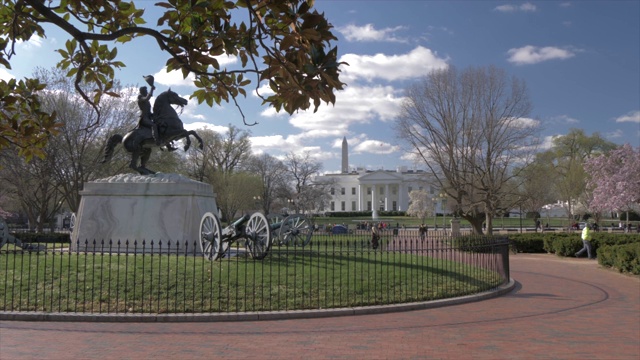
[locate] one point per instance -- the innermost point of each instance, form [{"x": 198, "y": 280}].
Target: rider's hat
[{"x": 148, "y": 79}]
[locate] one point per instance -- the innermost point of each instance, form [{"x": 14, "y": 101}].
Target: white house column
[
  {"x": 386, "y": 197},
  {"x": 359, "y": 197},
  {"x": 374, "y": 198},
  {"x": 400, "y": 197}
]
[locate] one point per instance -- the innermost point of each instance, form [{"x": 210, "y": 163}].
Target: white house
[
  {"x": 557, "y": 210},
  {"x": 374, "y": 190}
]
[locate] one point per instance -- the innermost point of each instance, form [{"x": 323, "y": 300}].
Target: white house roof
[{"x": 380, "y": 177}]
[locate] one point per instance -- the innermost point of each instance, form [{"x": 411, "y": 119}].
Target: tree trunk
[{"x": 489, "y": 222}]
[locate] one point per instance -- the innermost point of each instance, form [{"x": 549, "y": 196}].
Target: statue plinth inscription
[{"x": 160, "y": 208}]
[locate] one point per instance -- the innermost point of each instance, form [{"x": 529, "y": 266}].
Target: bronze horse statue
[{"x": 139, "y": 142}]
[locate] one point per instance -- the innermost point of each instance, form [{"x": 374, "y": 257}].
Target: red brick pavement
[{"x": 560, "y": 309}]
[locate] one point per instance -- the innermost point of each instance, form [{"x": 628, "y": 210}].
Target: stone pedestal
[
  {"x": 455, "y": 227},
  {"x": 165, "y": 209}
]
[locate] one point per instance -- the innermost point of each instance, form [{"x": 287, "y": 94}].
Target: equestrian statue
[{"x": 155, "y": 129}]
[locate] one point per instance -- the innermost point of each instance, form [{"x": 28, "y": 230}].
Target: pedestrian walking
[{"x": 586, "y": 242}]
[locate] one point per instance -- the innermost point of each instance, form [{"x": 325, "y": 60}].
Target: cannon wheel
[
  {"x": 276, "y": 220},
  {"x": 296, "y": 230},
  {"x": 210, "y": 236},
  {"x": 72, "y": 221},
  {"x": 258, "y": 236}
]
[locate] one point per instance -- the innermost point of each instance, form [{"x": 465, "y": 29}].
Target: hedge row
[
  {"x": 345, "y": 214},
  {"x": 29, "y": 237},
  {"x": 620, "y": 251}
]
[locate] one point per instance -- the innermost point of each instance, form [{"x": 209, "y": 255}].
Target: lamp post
[
  {"x": 443, "y": 201},
  {"x": 292, "y": 203},
  {"x": 256, "y": 201},
  {"x": 520, "y": 204},
  {"x": 435, "y": 203}
]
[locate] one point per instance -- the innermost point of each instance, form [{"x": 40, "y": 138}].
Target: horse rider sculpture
[
  {"x": 146, "y": 116},
  {"x": 139, "y": 141}
]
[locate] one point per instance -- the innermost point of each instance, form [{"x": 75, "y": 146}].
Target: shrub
[
  {"x": 477, "y": 244},
  {"x": 43, "y": 237},
  {"x": 625, "y": 257}
]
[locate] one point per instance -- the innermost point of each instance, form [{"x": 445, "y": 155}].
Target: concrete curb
[{"x": 255, "y": 316}]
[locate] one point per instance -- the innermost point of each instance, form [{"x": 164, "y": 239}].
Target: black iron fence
[{"x": 333, "y": 271}]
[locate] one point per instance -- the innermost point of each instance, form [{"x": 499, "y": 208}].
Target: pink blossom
[{"x": 615, "y": 179}]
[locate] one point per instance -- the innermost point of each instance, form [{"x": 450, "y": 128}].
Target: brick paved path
[{"x": 560, "y": 309}]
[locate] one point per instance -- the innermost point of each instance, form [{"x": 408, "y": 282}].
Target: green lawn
[{"x": 287, "y": 279}]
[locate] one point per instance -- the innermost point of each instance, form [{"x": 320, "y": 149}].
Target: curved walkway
[{"x": 560, "y": 309}]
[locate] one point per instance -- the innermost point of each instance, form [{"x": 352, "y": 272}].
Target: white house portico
[{"x": 373, "y": 190}]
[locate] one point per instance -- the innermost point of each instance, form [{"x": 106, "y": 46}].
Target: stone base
[{"x": 163, "y": 210}]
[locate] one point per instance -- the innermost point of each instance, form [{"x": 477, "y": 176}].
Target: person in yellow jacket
[{"x": 586, "y": 242}]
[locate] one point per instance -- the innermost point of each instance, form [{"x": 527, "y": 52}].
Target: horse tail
[{"x": 111, "y": 144}]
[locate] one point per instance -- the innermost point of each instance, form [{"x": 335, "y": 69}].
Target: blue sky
[{"x": 580, "y": 60}]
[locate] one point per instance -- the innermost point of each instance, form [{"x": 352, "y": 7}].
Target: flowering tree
[
  {"x": 615, "y": 179},
  {"x": 421, "y": 204}
]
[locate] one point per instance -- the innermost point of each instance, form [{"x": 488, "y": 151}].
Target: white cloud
[
  {"x": 547, "y": 142},
  {"x": 199, "y": 125},
  {"x": 375, "y": 147},
  {"x": 632, "y": 116},
  {"x": 526, "y": 7},
  {"x": 566, "y": 119},
  {"x": 355, "y": 105},
  {"x": 369, "y": 33},
  {"x": 34, "y": 42},
  {"x": 5, "y": 75},
  {"x": 526, "y": 122},
  {"x": 532, "y": 54},
  {"x": 172, "y": 78},
  {"x": 417, "y": 62},
  {"x": 614, "y": 134},
  {"x": 175, "y": 78},
  {"x": 284, "y": 145}
]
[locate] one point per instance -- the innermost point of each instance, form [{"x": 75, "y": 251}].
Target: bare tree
[
  {"x": 33, "y": 185},
  {"x": 303, "y": 169},
  {"x": 201, "y": 165},
  {"x": 235, "y": 192},
  {"x": 273, "y": 174},
  {"x": 470, "y": 128},
  {"x": 220, "y": 163},
  {"x": 78, "y": 146}
]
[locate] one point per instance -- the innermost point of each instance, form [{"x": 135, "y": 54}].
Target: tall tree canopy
[
  {"x": 470, "y": 128},
  {"x": 283, "y": 44},
  {"x": 564, "y": 165}
]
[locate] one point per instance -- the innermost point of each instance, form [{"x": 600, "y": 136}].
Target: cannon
[
  {"x": 295, "y": 230},
  {"x": 258, "y": 233},
  {"x": 254, "y": 229}
]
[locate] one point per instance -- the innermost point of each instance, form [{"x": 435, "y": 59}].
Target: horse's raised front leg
[
  {"x": 195, "y": 134},
  {"x": 188, "y": 142}
]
